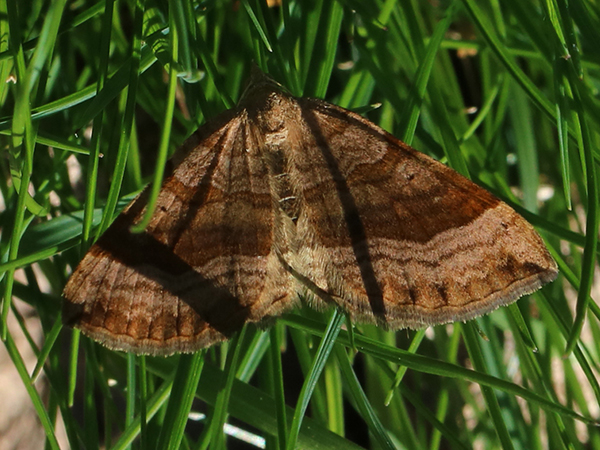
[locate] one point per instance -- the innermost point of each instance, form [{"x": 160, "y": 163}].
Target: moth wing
[
  {"x": 394, "y": 236},
  {"x": 205, "y": 264}
]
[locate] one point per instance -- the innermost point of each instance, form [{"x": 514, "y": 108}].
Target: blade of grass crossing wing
[
  {"x": 167, "y": 123},
  {"x": 94, "y": 157},
  {"x": 127, "y": 126}
]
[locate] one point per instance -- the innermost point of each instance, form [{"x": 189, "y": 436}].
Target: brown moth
[{"x": 283, "y": 196}]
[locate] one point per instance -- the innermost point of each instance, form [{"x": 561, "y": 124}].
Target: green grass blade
[
  {"x": 592, "y": 224},
  {"x": 38, "y": 404},
  {"x": 186, "y": 380},
  {"x": 165, "y": 135},
  {"x": 325, "y": 348},
  {"x": 361, "y": 400}
]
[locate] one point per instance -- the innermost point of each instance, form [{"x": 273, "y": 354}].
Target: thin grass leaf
[
  {"x": 326, "y": 345},
  {"x": 91, "y": 433},
  {"x": 491, "y": 399},
  {"x": 38, "y": 404},
  {"x": 51, "y": 338},
  {"x": 167, "y": 123},
  {"x": 496, "y": 45},
  {"x": 427, "y": 365},
  {"x": 332, "y": 381},
  {"x": 552, "y": 12},
  {"x": 322, "y": 60},
  {"x": 125, "y": 135},
  {"x": 518, "y": 323},
  {"x": 414, "y": 345},
  {"x": 257, "y": 408},
  {"x": 255, "y": 352},
  {"x": 362, "y": 402},
  {"x": 93, "y": 162},
  {"x": 214, "y": 433},
  {"x": 484, "y": 110},
  {"x": 21, "y": 162},
  {"x": 158, "y": 399},
  {"x": 131, "y": 389},
  {"x": 143, "y": 406},
  {"x": 257, "y": 25},
  {"x": 278, "y": 389},
  {"x": 455, "y": 157},
  {"x": 563, "y": 112},
  {"x": 186, "y": 380},
  {"x": 592, "y": 224},
  {"x": 411, "y": 112}
]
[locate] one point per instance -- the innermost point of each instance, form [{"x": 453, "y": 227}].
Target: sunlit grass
[{"x": 503, "y": 92}]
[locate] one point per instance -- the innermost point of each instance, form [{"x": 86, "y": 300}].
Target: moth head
[{"x": 260, "y": 88}]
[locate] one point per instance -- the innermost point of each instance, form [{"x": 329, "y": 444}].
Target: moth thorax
[
  {"x": 275, "y": 139},
  {"x": 280, "y": 182}
]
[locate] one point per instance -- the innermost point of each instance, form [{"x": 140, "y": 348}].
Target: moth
[{"x": 282, "y": 198}]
